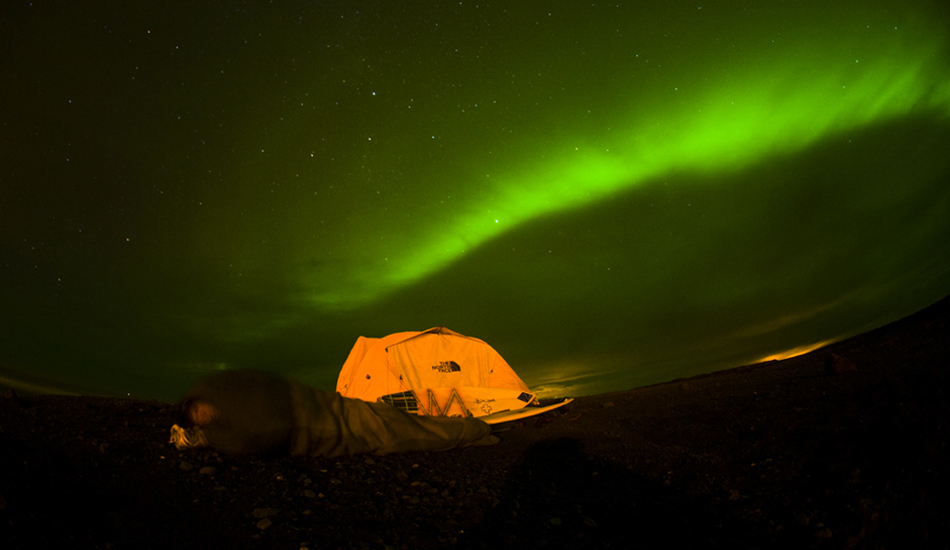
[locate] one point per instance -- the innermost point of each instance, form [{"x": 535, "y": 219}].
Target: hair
[{"x": 250, "y": 411}]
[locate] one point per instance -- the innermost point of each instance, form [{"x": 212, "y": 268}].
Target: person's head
[
  {"x": 195, "y": 412},
  {"x": 241, "y": 412}
]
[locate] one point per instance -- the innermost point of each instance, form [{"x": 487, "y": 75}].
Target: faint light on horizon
[{"x": 795, "y": 352}]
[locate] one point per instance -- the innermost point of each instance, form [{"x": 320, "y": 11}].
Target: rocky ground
[{"x": 845, "y": 447}]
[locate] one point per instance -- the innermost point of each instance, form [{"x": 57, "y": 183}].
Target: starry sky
[{"x": 611, "y": 194}]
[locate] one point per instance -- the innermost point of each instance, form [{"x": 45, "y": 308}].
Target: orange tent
[{"x": 435, "y": 372}]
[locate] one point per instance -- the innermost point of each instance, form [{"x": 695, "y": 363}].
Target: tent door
[{"x": 435, "y": 410}]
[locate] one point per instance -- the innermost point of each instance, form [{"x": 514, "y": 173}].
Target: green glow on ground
[{"x": 705, "y": 119}]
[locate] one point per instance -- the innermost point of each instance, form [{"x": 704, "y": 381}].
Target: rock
[
  {"x": 839, "y": 364},
  {"x": 264, "y": 523},
  {"x": 187, "y": 466},
  {"x": 264, "y": 512},
  {"x": 208, "y": 470}
]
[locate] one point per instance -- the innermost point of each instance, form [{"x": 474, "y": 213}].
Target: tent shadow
[{"x": 560, "y": 497}]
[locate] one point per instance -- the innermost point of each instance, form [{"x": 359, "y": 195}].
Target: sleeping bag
[{"x": 250, "y": 412}]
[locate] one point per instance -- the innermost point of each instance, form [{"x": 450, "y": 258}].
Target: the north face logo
[{"x": 447, "y": 366}]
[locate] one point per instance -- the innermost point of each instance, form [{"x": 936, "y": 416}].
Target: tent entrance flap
[
  {"x": 435, "y": 410},
  {"x": 464, "y": 401}
]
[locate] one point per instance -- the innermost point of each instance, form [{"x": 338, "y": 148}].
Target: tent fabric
[{"x": 413, "y": 361}]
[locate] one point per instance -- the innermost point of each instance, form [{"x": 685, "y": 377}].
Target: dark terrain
[{"x": 844, "y": 447}]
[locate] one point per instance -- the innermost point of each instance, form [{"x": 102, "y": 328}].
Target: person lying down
[{"x": 250, "y": 412}]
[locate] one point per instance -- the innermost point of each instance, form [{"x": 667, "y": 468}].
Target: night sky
[{"x": 610, "y": 194}]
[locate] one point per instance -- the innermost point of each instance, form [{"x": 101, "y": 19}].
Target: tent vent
[{"x": 404, "y": 401}]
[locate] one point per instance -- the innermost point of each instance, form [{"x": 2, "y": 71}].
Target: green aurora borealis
[{"x": 610, "y": 194}]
